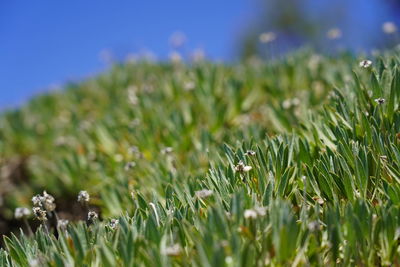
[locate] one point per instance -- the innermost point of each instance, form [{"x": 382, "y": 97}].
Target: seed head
[
  {"x": 21, "y": 213},
  {"x": 365, "y": 64},
  {"x": 83, "y": 197},
  {"x": 39, "y": 214}
]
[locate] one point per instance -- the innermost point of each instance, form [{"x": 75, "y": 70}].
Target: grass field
[{"x": 292, "y": 162}]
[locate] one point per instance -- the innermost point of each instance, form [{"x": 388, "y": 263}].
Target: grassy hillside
[{"x": 293, "y": 162}]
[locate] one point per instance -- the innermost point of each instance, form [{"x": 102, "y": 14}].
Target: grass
[{"x": 157, "y": 146}]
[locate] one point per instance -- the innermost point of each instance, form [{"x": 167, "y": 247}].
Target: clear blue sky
[{"x": 49, "y": 42}]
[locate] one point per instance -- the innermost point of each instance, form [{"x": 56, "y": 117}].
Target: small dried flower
[
  {"x": 380, "y": 101},
  {"x": 334, "y": 33},
  {"x": 114, "y": 223},
  {"x": 174, "y": 250},
  {"x": 62, "y": 224},
  {"x": 250, "y": 153},
  {"x": 203, "y": 193},
  {"x": 36, "y": 200},
  {"x": 240, "y": 167},
  {"x": 92, "y": 216},
  {"x": 83, "y": 197},
  {"x": 48, "y": 202},
  {"x": 45, "y": 200},
  {"x": 267, "y": 37},
  {"x": 365, "y": 63},
  {"x": 21, "y": 213},
  {"x": 39, "y": 214},
  {"x": 389, "y": 27}
]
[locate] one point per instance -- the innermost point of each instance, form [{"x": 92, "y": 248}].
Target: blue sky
[{"x": 45, "y": 43}]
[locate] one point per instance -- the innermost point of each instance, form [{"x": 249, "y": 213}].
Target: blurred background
[{"x": 45, "y": 44}]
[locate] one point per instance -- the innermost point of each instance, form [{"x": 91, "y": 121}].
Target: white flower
[
  {"x": 175, "y": 57},
  {"x": 189, "y": 85},
  {"x": 287, "y": 103},
  {"x": 389, "y": 27},
  {"x": 255, "y": 212},
  {"x": 380, "y": 101},
  {"x": 228, "y": 260},
  {"x": 252, "y": 214},
  {"x": 174, "y": 250},
  {"x": 365, "y": 63},
  {"x": 83, "y": 197},
  {"x": 203, "y": 193},
  {"x": 261, "y": 211},
  {"x": 132, "y": 97},
  {"x": 267, "y": 37},
  {"x": 295, "y": 101},
  {"x": 114, "y": 223},
  {"x": 250, "y": 153},
  {"x": 240, "y": 167},
  {"x": 167, "y": 150},
  {"x": 313, "y": 226},
  {"x": 62, "y": 224},
  {"x": 129, "y": 165},
  {"x": 334, "y": 33},
  {"x": 21, "y": 213},
  {"x": 36, "y": 200}
]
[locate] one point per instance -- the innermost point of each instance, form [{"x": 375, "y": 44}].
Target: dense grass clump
[{"x": 293, "y": 162}]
